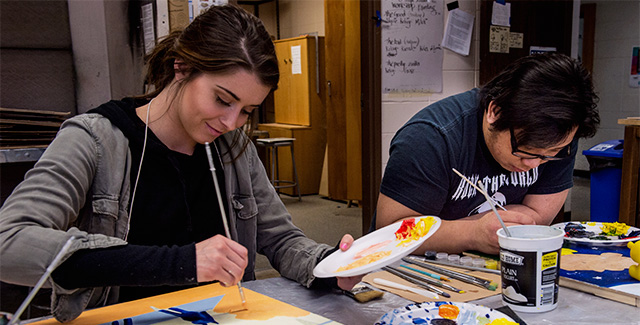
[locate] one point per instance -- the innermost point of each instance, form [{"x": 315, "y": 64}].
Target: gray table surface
[{"x": 574, "y": 307}]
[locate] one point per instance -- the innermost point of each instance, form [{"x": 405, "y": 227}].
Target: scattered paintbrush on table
[
  {"x": 414, "y": 280},
  {"x": 427, "y": 280},
  {"x": 362, "y": 293},
  {"x": 435, "y": 276},
  {"x": 487, "y": 284},
  {"x": 391, "y": 284},
  {"x": 462, "y": 266}
]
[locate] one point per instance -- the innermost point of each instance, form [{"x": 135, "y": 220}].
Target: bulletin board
[{"x": 412, "y": 54}]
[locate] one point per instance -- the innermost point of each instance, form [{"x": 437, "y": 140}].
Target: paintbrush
[
  {"x": 492, "y": 203},
  {"x": 223, "y": 214},
  {"x": 363, "y": 293},
  {"x": 462, "y": 266},
  {"x": 413, "y": 280},
  {"x": 476, "y": 187},
  {"x": 56, "y": 260},
  {"x": 426, "y": 279},
  {"x": 487, "y": 284},
  {"x": 391, "y": 284}
]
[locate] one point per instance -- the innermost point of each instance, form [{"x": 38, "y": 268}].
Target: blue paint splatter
[{"x": 420, "y": 321}]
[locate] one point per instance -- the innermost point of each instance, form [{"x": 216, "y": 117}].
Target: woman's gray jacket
[{"x": 81, "y": 186}]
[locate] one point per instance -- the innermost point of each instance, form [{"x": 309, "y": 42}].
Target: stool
[{"x": 272, "y": 144}]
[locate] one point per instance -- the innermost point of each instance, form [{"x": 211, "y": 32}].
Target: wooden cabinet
[
  {"x": 298, "y": 95},
  {"x": 299, "y": 110}
]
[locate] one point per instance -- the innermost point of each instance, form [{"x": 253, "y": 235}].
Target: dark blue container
[{"x": 605, "y": 165}]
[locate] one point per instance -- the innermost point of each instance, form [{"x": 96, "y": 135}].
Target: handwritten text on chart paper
[{"x": 412, "y": 53}]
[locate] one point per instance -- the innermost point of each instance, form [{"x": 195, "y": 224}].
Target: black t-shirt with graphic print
[{"x": 446, "y": 135}]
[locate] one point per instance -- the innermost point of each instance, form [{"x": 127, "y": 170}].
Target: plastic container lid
[
  {"x": 478, "y": 262},
  {"x": 611, "y": 148},
  {"x": 441, "y": 256},
  {"x": 466, "y": 260},
  {"x": 430, "y": 255},
  {"x": 455, "y": 259}
]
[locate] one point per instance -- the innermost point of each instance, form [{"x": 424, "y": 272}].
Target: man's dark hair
[{"x": 544, "y": 96}]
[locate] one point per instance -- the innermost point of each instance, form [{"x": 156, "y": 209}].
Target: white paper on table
[
  {"x": 501, "y": 14},
  {"x": 296, "y": 57},
  {"x": 458, "y": 32}
]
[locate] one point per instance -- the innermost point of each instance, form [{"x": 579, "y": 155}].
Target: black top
[
  {"x": 448, "y": 134},
  {"x": 175, "y": 206}
]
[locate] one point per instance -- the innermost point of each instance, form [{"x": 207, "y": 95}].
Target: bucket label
[
  {"x": 524, "y": 279},
  {"x": 549, "y": 282},
  {"x": 549, "y": 260}
]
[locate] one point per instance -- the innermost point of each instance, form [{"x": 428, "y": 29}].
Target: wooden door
[
  {"x": 344, "y": 127},
  {"x": 546, "y": 23},
  {"x": 371, "y": 89}
]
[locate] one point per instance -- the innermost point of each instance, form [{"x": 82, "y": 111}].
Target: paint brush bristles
[{"x": 223, "y": 214}]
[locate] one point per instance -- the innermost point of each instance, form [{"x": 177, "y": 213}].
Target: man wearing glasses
[{"x": 517, "y": 135}]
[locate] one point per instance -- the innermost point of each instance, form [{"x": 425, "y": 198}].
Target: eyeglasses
[{"x": 562, "y": 154}]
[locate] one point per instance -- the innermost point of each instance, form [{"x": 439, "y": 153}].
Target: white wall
[
  {"x": 617, "y": 31},
  {"x": 297, "y": 17},
  {"x": 460, "y": 73},
  {"x": 106, "y": 65}
]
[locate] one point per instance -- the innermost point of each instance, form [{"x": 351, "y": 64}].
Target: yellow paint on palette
[{"x": 567, "y": 251}]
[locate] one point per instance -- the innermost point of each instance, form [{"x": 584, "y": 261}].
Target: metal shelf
[{"x": 21, "y": 154}]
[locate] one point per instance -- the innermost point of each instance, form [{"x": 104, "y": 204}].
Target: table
[
  {"x": 630, "y": 164},
  {"x": 574, "y": 307}
]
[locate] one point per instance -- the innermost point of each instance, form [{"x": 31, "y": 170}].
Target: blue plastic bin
[{"x": 605, "y": 165}]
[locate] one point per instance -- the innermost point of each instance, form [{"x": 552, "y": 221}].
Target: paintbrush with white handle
[
  {"x": 492, "y": 203},
  {"x": 476, "y": 187},
  {"x": 56, "y": 260},
  {"x": 223, "y": 214},
  {"x": 395, "y": 285}
]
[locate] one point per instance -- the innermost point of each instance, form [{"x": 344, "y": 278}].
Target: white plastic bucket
[{"x": 530, "y": 265}]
